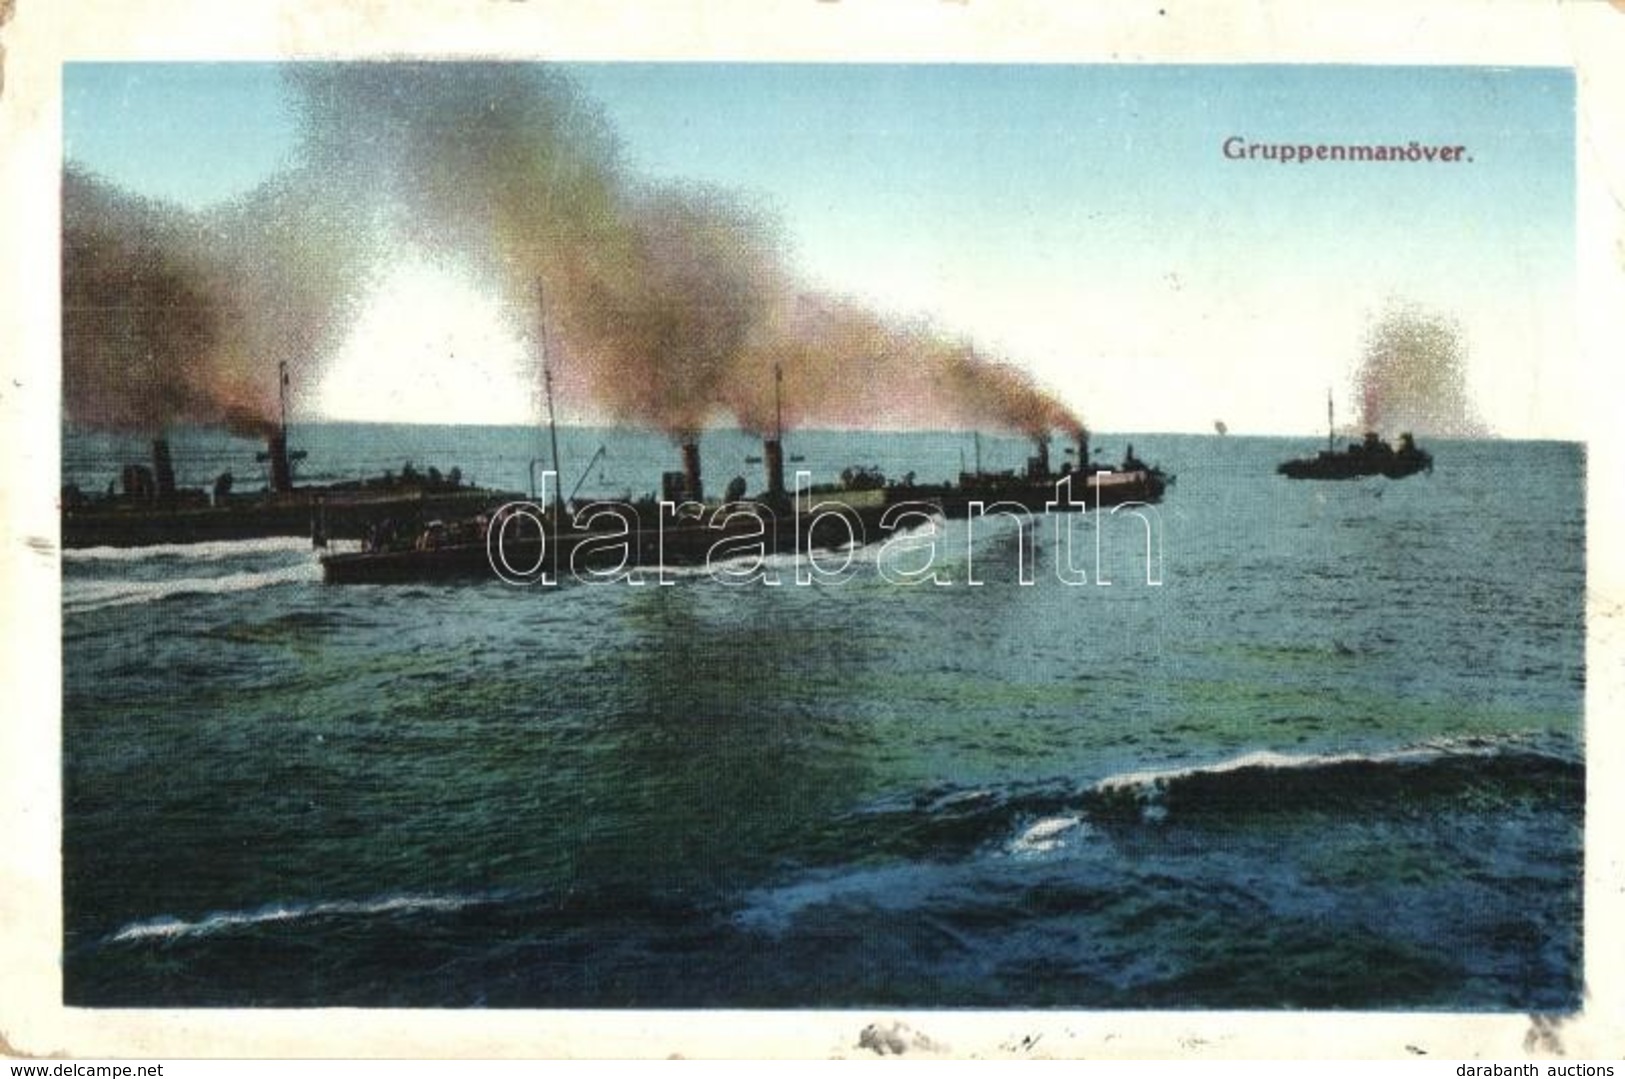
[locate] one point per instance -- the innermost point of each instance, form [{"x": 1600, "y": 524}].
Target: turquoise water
[{"x": 1334, "y": 760}]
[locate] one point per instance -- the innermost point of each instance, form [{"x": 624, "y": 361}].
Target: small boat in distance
[{"x": 1370, "y": 457}]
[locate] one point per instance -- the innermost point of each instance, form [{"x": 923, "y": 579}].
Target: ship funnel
[
  {"x": 1083, "y": 450},
  {"x": 1038, "y": 466},
  {"x": 276, "y": 448},
  {"x": 163, "y": 469},
  {"x": 137, "y": 481},
  {"x": 694, "y": 492},
  {"x": 773, "y": 456}
]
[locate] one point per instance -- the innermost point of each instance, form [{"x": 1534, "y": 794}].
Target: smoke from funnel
[
  {"x": 1006, "y": 396},
  {"x": 662, "y": 306},
  {"x": 139, "y": 317},
  {"x": 289, "y": 265},
  {"x": 662, "y": 327},
  {"x": 502, "y": 164},
  {"x": 1413, "y": 376},
  {"x": 846, "y": 365},
  {"x": 665, "y": 307},
  {"x": 171, "y": 316}
]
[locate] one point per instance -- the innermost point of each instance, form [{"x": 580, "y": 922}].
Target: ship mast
[
  {"x": 1330, "y": 438},
  {"x": 778, "y": 408},
  {"x": 282, "y": 393},
  {"x": 552, "y": 421}
]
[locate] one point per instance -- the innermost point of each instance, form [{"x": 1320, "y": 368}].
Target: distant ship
[{"x": 1370, "y": 457}]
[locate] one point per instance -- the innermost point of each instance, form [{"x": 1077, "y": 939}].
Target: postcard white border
[{"x": 1587, "y": 36}]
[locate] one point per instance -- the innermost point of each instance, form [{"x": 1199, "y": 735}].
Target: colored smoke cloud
[
  {"x": 171, "y": 316},
  {"x": 669, "y": 307},
  {"x": 846, "y": 365},
  {"x": 1412, "y": 376},
  {"x": 139, "y": 314}
]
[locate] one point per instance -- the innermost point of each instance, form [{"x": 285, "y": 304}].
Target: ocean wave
[
  {"x": 1264, "y": 781},
  {"x": 170, "y": 928},
  {"x": 897, "y": 889},
  {"x": 944, "y": 820},
  {"x": 1043, "y": 818},
  {"x": 190, "y": 552},
  {"x": 81, "y": 596}
]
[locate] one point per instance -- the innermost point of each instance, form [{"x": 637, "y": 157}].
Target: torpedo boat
[
  {"x": 146, "y": 506},
  {"x": 1369, "y": 457},
  {"x": 1080, "y": 485}
]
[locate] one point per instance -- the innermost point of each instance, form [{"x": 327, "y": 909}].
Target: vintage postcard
[{"x": 952, "y": 545}]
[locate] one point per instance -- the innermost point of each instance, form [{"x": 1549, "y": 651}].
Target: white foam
[
  {"x": 79, "y": 597},
  {"x": 1045, "y": 835},
  {"x": 198, "y": 552},
  {"x": 1255, "y": 759},
  {"x": 171, "y": 928},
  {"x": 1431, "y": 751}
]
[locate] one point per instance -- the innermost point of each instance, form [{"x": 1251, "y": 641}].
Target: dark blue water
[{"x": 1333, "y": 760}]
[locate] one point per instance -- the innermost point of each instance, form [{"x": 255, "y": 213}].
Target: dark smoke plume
[
  {"x": 663, "y": 326},
  {"x": 290, "y": 267},
  {"x": 171, "y": 316},
  {"x": 1004, "y": 395},
  {"x": 845, "y": 365},
  {"x": 502, "y": 165},
  {"x": 139, "y": 315},
  {"x": 665, "y": 307},
  {"x": 1413, "y": 376},
  {"x": 645, "y": 297}
]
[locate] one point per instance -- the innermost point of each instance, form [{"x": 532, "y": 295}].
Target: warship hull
[
  {"x": 325, "y": 513},
  {"x": 649, "y": 536},
  {"x": 1373, "y": 457},
  {"x": 521, "y": 555}
]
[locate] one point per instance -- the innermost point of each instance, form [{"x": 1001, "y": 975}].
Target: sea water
[{"x": 1333, "y": 758}]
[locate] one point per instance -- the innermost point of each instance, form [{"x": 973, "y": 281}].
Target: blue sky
[{"x": 1082, "y": 220}]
